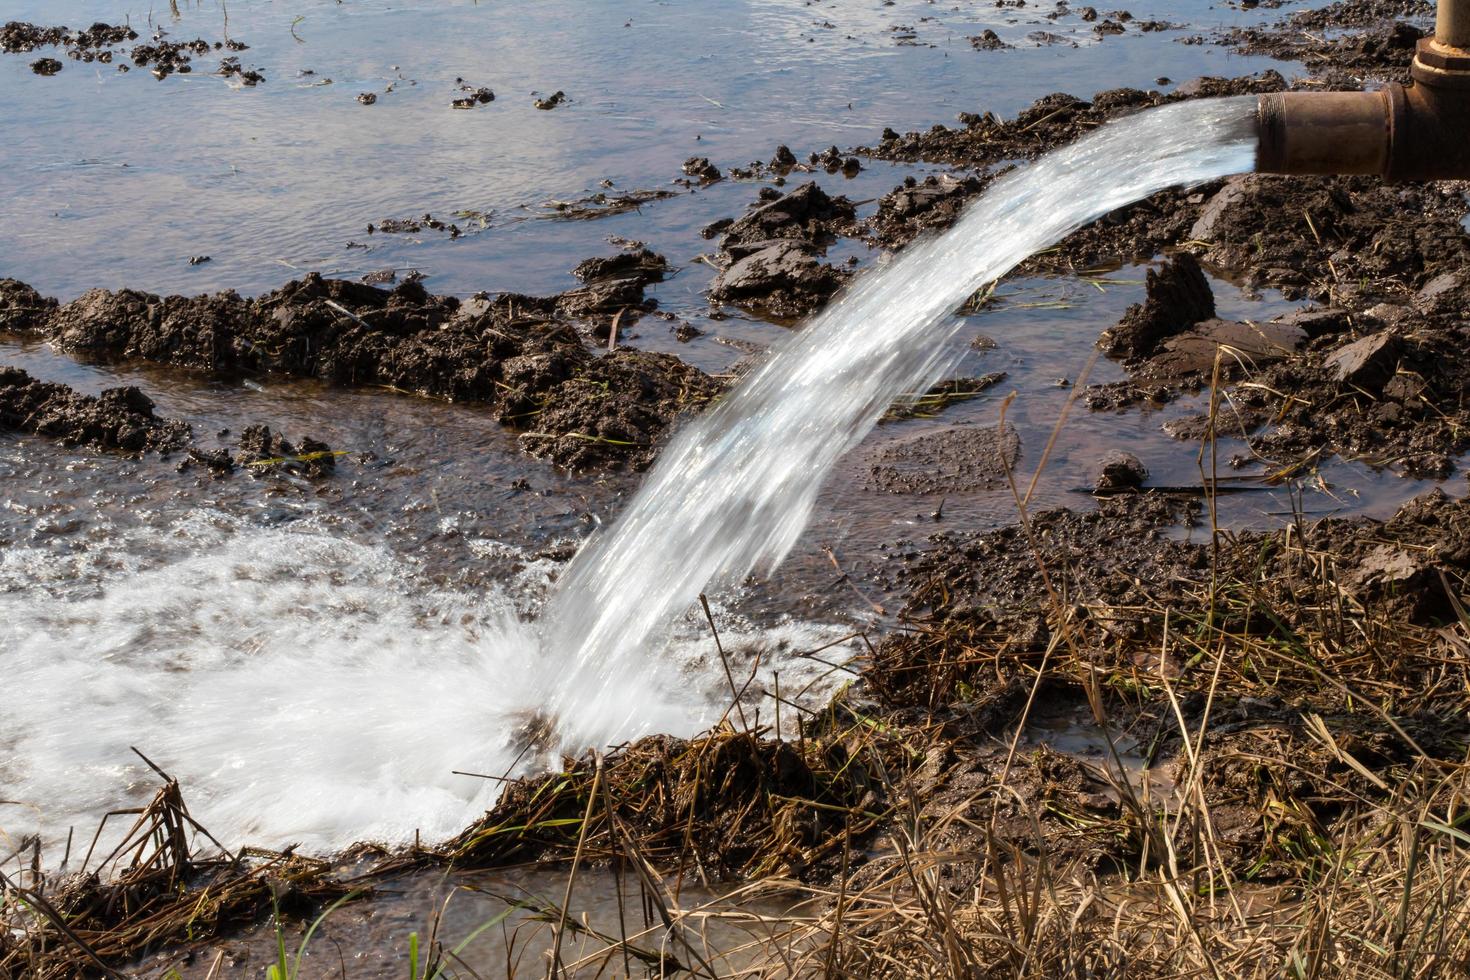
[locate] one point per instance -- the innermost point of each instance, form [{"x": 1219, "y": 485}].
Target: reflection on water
[
  {"x": 731, "y": 929},
  {"x": 115, "y": 180}
]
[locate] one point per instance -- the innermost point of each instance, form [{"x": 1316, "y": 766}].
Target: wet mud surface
[{"x": 521, "y": 355}]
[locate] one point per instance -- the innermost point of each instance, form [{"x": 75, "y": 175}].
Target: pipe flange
[{"x": 1441, "y": 58}]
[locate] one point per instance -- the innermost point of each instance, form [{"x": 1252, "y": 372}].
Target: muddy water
[
  {"x": 252, "y": 635},
  {"x": 503, "y": 926}
]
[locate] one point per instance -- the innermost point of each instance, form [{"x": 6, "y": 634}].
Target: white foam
[{"x": 303, "y": 688}]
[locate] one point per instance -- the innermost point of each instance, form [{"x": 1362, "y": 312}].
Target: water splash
[
  {"x": 304, "y": 687},
  {"x": 733, "y": 491}
]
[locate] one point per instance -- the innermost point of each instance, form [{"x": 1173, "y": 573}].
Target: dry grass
[{"x": 152, "y": 889}]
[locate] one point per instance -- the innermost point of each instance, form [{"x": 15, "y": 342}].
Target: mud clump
[
  {"x": 612, "y": 287},
  {"x": 412, "y": 226},
  {"x": 988, "y": 40},
  {"x": 783, "y": 279},
  {"x": 1179, "y": 296},
  {"x": 770, "y": 256},
  {"x": 18, "y": 37},
  {"x": 701, "y": 168},
  {"x": 992, "y": 583},
  {"x": 120, "y": 419},
  {"x": 163, "y": 56},
  {"x": 917, "y": 206},
  {"x": 22, "y": 309},
  {"x": 473, "y": 97},
  {"x": 262, "y": 451},
  {"x": 616, "y": 409},
  {"x": 521, "y": 355},
  {"x": 1118, "y": 473},
  {"x": 602, "y": 204}
]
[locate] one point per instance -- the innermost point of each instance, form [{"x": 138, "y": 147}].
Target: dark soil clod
[
  {"x": 518, "y": 354},
  {"x": 1179, "y": 296},
  {"x": 120, "y": 419}
]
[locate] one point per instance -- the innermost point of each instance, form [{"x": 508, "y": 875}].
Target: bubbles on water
[{"x": 302, "y": 686}]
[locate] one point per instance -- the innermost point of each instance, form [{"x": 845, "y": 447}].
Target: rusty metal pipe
[
  {"x": 1323, "y": 133},
  {"x": 1419, "y": 131}
]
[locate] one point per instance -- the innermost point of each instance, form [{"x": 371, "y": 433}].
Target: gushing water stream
[
  {"x": 734, "y": 490},
  {"x": 307, "y": 688}
]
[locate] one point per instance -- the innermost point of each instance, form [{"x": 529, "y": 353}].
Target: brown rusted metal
[
  {"x": 1323, "y": 133},
  {"x": 1419, "y": 131}
]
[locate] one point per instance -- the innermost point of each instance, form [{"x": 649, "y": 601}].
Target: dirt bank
[
  {"x": 118, "y": 419},
  {"x": 523, "y": 356}
]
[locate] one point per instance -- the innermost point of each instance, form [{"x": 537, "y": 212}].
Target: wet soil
[
  {"x": 118, "y": 419},
  {"x": 161, "y": 55},
  {"x": 1344, "y": 43},
  {"x": 1382, "y": 382},
  {"x": 614, "y": 410},
  {"x": 1121, "y": 564},
  {"x": 521, "y": 355},
  {"x": 1078, "y": 594}
]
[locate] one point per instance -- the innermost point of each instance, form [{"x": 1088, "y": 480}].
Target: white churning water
[
  {"x": 733, "y": 491},
  {"x": 309, "y": 688},
  {"x": 301, "y": 686}
]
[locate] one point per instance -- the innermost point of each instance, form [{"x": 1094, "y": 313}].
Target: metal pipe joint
[{"x": 1419, "y": 131}]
